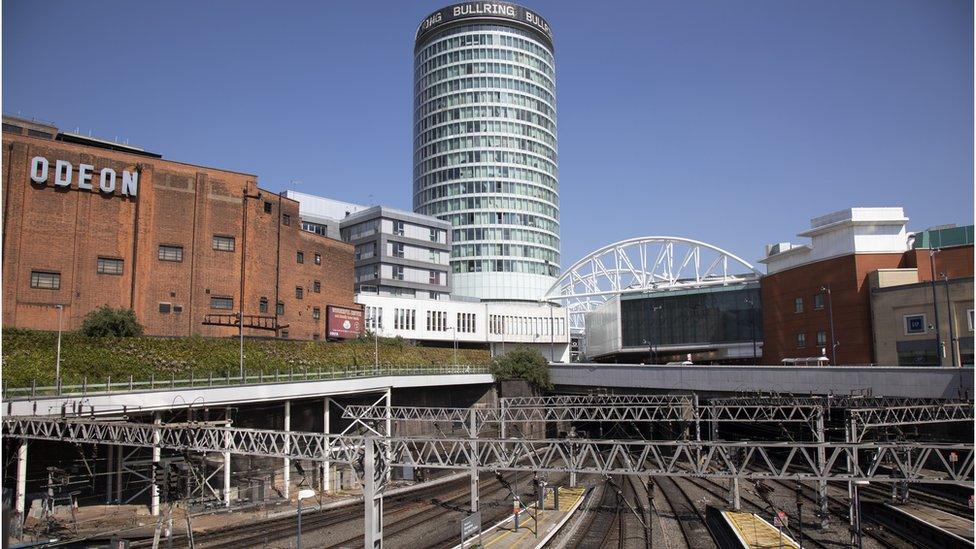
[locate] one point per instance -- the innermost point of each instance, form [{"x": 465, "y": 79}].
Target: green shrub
[
  {"x": 522, "y": 363},
  {"x": 30, "y": 355},
  {"x": 108, "y": 322}
]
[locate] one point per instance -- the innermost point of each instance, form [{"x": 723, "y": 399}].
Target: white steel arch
[{"x": 645, "y": 264}]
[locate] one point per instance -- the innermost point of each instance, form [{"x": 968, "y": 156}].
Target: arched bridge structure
[{"x": 646, "y": 264}]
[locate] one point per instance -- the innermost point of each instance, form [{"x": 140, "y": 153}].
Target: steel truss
[
  {"x": 580, "y": 400},
  {"x": 373, "y": 457},
  {"x": 915, "y": 462},
  {"x": 865, "y": 419}
]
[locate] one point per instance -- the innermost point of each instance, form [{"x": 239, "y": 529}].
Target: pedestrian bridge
[{"x": 880, "y": 380}]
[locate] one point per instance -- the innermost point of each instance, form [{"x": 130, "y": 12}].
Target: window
[
  {"x": 38, "y": 133},
  {"x": 317, "y": 287},
  {"x": 45, "y": 281},
  {"x": 170, "y": 253},
  {"x": 818, "y": 302},
  {"x": 798, "y": 305},
  {"x": 433, "y": 235},
  {"x": 223, "y": 243},
  {"x": 821, "y": 338},
  {"x": 165, "y": 308},
  {"x": 284, "y": 334},
  {"x": 285, "y": 220},
  {"x": 801, "y": 341},
  {"x": 263, "y": 305},
  {"x": 318, "y": 259},
  {"x": 109, "y": 265},
  {"x": 225, "y": 303},
  {"x": 969, "y": 319},
  {"x": 398, "y": 228},
  {"x": 404, "y": 319},
  {"x": 374, "y": 318},
  {"x": 398, "y": 272},
  {"x": 299, "y": 292},
  {"x": 316, "y": 313},
  {"x": 434, "y": 278},
  {"x": 280, "y": 308},
  {"x": 300, "y": 257},
  {"x": 397, "y": 249},
  {"x": 267, "y": 207},
  {"x": 914, "y": 324},
  {"x": 435, "y": 256},
  {"x": 177, "y": 309}
]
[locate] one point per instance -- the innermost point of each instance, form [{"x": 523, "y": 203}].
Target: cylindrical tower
[{"x": 485, "y": 145}]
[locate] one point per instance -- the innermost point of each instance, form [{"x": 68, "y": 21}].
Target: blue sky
[{"x": 733, "y": 122}]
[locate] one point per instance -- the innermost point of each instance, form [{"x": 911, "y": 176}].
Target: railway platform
[
  {"x": 754, "y": 532},
  {"x": 531, "y": 534},
  {"x": 956, "y": 526}
]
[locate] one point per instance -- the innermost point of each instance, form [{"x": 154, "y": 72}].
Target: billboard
[{"x": 343, "y": 323}]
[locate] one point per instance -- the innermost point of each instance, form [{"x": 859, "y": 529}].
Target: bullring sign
[{"x": 63, "y": 172}]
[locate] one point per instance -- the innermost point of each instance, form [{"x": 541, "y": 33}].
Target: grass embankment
[{"x": 29, "y": 355}]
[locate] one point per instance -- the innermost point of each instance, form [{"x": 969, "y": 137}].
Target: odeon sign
[{"x": 63, "y": 172}]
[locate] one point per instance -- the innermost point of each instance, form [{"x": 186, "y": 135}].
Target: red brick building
[
  {"x": 806, "y": 285},
  {"x": 88, "y": 223}
]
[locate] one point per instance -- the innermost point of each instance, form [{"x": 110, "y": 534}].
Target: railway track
[
  {"x": 401, "y": 521},
  {"x": 691, "y": 521},
  {"x": 603, "y": 518},
  {"x": 263, "y": 532}
]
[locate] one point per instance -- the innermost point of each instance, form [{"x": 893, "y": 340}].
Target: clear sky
[{"x": 733, "y": 122}]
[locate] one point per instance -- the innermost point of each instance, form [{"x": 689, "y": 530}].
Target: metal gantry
[{"x": 373, "y": 456}]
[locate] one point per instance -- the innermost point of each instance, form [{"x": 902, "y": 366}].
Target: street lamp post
[
  {"x": 454, "y": 333},
  {"x": 952, "y": 329},
  {"x": 650, "y": 340},
  {"x": 830, "y": 316},
  {"x": 935, "y": 305},
  {"x": 376, "y": 339},
  {"x": 752, "y": 322},
  {"x": 57, "y": 364},
  {"x": 240, "y": 323}
]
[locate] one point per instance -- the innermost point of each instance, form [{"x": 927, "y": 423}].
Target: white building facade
[{"x": 502, "y": 326}]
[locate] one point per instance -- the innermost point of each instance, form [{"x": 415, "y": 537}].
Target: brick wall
[
  {"x": 850, "y": 296},
  {"x": 66, "y": 230}
]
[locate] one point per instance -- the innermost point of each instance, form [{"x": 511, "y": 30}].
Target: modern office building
[
  {"x": 397, "y": 253},
  {"x": 711, "y": 324},
  {"x": 500, "y": 326},
  {"x": 321, "y": 215},
  {"x": 485, "y": 146},
  {"x": 90, "y": 222}
]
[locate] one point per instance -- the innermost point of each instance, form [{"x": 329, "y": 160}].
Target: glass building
[
  {"x": 718, "y": 324},
  {"x": 485, "y": 146}
]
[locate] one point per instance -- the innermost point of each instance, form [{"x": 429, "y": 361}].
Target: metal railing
[{"x": 229, "y": 379}]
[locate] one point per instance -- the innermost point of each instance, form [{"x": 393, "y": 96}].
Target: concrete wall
[{"x": 883, "y": 381}]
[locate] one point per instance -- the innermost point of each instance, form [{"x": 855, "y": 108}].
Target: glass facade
[
  {"x": 485, "y": 155},
  {"x": 729, "y": 316}
]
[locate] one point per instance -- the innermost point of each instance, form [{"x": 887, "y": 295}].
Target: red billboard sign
[{"x": 343, "y": 323}]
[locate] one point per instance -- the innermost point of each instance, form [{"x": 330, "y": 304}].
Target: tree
[
  {"x": 522, "y": 363},
  {"x": 106, "y": 321}
]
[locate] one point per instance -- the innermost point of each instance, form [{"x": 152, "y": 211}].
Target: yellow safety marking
[
  {"x": 567, "y": 498},
  {"x": 758, "y": 533}
]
